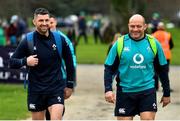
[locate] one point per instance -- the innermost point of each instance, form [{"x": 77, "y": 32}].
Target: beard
[{"x": 43, "y": 30}]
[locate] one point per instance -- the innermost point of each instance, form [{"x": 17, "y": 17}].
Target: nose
[
  {"x": 135, "y": 28},
  {"x": 44, "y": 23}
]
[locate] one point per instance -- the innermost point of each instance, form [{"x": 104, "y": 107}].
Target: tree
[{"x": 121, "y": 10}]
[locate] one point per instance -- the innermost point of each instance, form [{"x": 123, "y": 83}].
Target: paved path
[{"x": 87, "y": 103}]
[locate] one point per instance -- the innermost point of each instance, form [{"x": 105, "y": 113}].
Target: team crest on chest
[{"x": 54, "y": 47}]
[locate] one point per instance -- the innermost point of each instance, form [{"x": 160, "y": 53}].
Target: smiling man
[
  {"x": 46, "y": 83},
  {"x": 133, "y": 59}
]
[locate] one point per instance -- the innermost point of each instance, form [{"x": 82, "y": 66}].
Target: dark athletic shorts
[
  {"x": 130, "y": 104},
  {"x": 40, "y": 102}
]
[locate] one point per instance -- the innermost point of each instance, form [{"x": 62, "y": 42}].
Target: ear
[
  {"x": 34, "y": 22},
  {"x": 145, "y": 26}
]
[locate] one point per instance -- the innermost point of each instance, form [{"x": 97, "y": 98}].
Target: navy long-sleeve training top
[{"x": 47, "y": 76}]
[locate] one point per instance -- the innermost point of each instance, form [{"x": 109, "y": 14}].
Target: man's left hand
[
  {"x": 67, "y": 92},
  {"x": 165, "y": 101}
]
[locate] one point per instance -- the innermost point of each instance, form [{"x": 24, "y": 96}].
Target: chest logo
[
  {"x": 126, "y": 49},
  {"x": 138, "y": 58},
  {"x": 54, "y": 47}
]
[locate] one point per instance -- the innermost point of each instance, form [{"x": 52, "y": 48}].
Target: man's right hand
[
  {"x": 110, "y": 97},
  {"x": 32, "y": 60}
]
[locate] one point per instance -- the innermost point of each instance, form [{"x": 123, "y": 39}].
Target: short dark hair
[
  {"x": 52, "y": 16},
  {"x": 41, "y": 11}
]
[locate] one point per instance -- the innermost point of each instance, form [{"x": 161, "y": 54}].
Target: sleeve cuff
[
  {"x": 70, "y": 84},
  {"x": 108, "y": 89},
  {"x": 166, "y": 93},
  {"x": 24, "y": 61}
]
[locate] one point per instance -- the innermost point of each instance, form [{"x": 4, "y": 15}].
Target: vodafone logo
[{"x": 138, "y": 58}]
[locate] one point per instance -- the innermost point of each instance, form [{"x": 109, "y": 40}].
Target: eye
[
  {"x": 132, "y": 26},
  {"x": 40, "y": 20},
  {"x": 139, "y": 26},
  {"x": 47, "y": 20}
]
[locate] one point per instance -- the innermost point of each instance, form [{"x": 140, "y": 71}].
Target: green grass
[
  {"x": 91, "y": 53},
  {"x": 176, "y": 50},
  {"x": 13, "y": 102}
]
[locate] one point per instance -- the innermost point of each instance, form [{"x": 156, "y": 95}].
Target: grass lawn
[
  {"x": 91, "y": 53},
  {"x": 13, "y": 102},
  {"x": 176, "y": 50}
]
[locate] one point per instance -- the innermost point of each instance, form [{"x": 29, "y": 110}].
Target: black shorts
[
  {"x": 130, "y": 104},
  {"x": 40, "y": 102}
]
